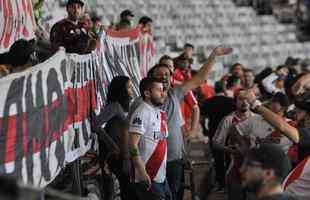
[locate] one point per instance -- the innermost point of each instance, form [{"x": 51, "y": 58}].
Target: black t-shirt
[
  {"x": 69, "y": 35},
  {"x": 304, "y": 143},
  {"x": 215, "y": 109},
  {"x": 282, "y": 196}
]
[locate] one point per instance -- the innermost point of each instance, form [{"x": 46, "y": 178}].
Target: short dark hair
[
  {"x": 189, "y": 45},
  {"x": 126, "y": 13},
  {"x": 219, "y": 87},
  {"x": 235, "y": 65},
  {"x": 151, "y": 71},
  {"x": 291, "y": 61},
  {"x": 20, "y": 52},
  {"x": 280, "y": 67},
  {"x": 282, "y": 99},
  {"x": 144, "y": 20},
  {"x": 164, "y": 57},
  {"x": 70, "y": 2},
  {"x": 117, "y": 92},
  {"x": 147, "y": 84},
  {"x": 95, "y": 18},
  {"x": 271, "y": 156}
]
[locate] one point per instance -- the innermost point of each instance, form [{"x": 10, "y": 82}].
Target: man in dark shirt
[
  {"x": 68, "y": 32},
  {"x": 215, "y": 109}
]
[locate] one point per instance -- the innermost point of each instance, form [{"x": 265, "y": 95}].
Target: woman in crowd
[{"x": 114, "y": 119}]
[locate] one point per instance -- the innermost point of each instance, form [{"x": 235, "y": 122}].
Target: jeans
[
  {"x": 175, "y": 177},
  {"x": 158, "y": 191}
]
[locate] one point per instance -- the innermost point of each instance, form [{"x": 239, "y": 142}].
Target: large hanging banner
[
  {"x": 45, "y": 117},
  {"x": 45, "y": 111},
  {"x": 16, "y": 22}
]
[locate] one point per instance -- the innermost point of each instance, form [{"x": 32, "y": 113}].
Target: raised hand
[{"x": 221, "y": 50}]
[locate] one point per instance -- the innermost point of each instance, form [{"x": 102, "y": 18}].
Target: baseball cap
[
  {"x": 126, "y": 13},
  {"x": 75, "y": 1}
]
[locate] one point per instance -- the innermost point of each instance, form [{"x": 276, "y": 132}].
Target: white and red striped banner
[
  {"x": 43, "y": 110},
  {"x": 16, "y": 22}
]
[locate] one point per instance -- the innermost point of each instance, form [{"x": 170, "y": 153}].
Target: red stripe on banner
[
  {"x": 295, "y": 174},
  {"x": 132, "y": 34},
  {"x": 25, "y": 133},
  {"x": 31, "y": 15},
  {"x": 11, "y": 139},
  {"x": 5, "y": 13},
  {"x": 8, "y": 32},
  {"x": 153, "y": 164},
  {"x": 77, "y": 112},
  {"x": 25, "y": 31}
]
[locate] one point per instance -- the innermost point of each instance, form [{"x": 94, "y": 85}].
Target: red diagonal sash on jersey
[
  {"x": 153, "y": 164},
  {"x": 295, "y": 174}
]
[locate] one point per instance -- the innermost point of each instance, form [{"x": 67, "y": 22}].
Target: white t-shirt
[
  {"x": 224, "y": 127},
  {"x": 257, "y": 127},
  {"x": 151, "y": 124}
]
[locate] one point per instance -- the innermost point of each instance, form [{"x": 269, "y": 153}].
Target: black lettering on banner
[
  {"x": 56, "y": 119},
  {"x": 14, "y": 97},
  {"x": 85, "y": 96},
  {"x": 76, "y": 82},
  {"x": 35, "y": 120},
  {"x": 63, "y": 69},
  {"x": 86, "y": 76}
]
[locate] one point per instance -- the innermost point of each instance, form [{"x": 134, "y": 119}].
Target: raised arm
[
  {"x": 275, "y": 120},
  {"x": 203, "y": 72}
]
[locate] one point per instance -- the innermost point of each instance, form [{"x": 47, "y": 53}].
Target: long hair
[{"x": 117, "y": 92}]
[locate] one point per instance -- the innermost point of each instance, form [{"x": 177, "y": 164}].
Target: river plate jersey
[{"x": 151, "y": 124}]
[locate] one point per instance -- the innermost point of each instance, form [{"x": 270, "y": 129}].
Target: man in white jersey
[{"x": 148, "y": 146}]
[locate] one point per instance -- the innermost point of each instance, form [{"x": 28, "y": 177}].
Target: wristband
[
  {"x": 256, "y": 104},
  {"x": 134, "y": 152}
]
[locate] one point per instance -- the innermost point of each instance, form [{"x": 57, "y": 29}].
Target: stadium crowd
[{"x": 258, "y": 124}]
